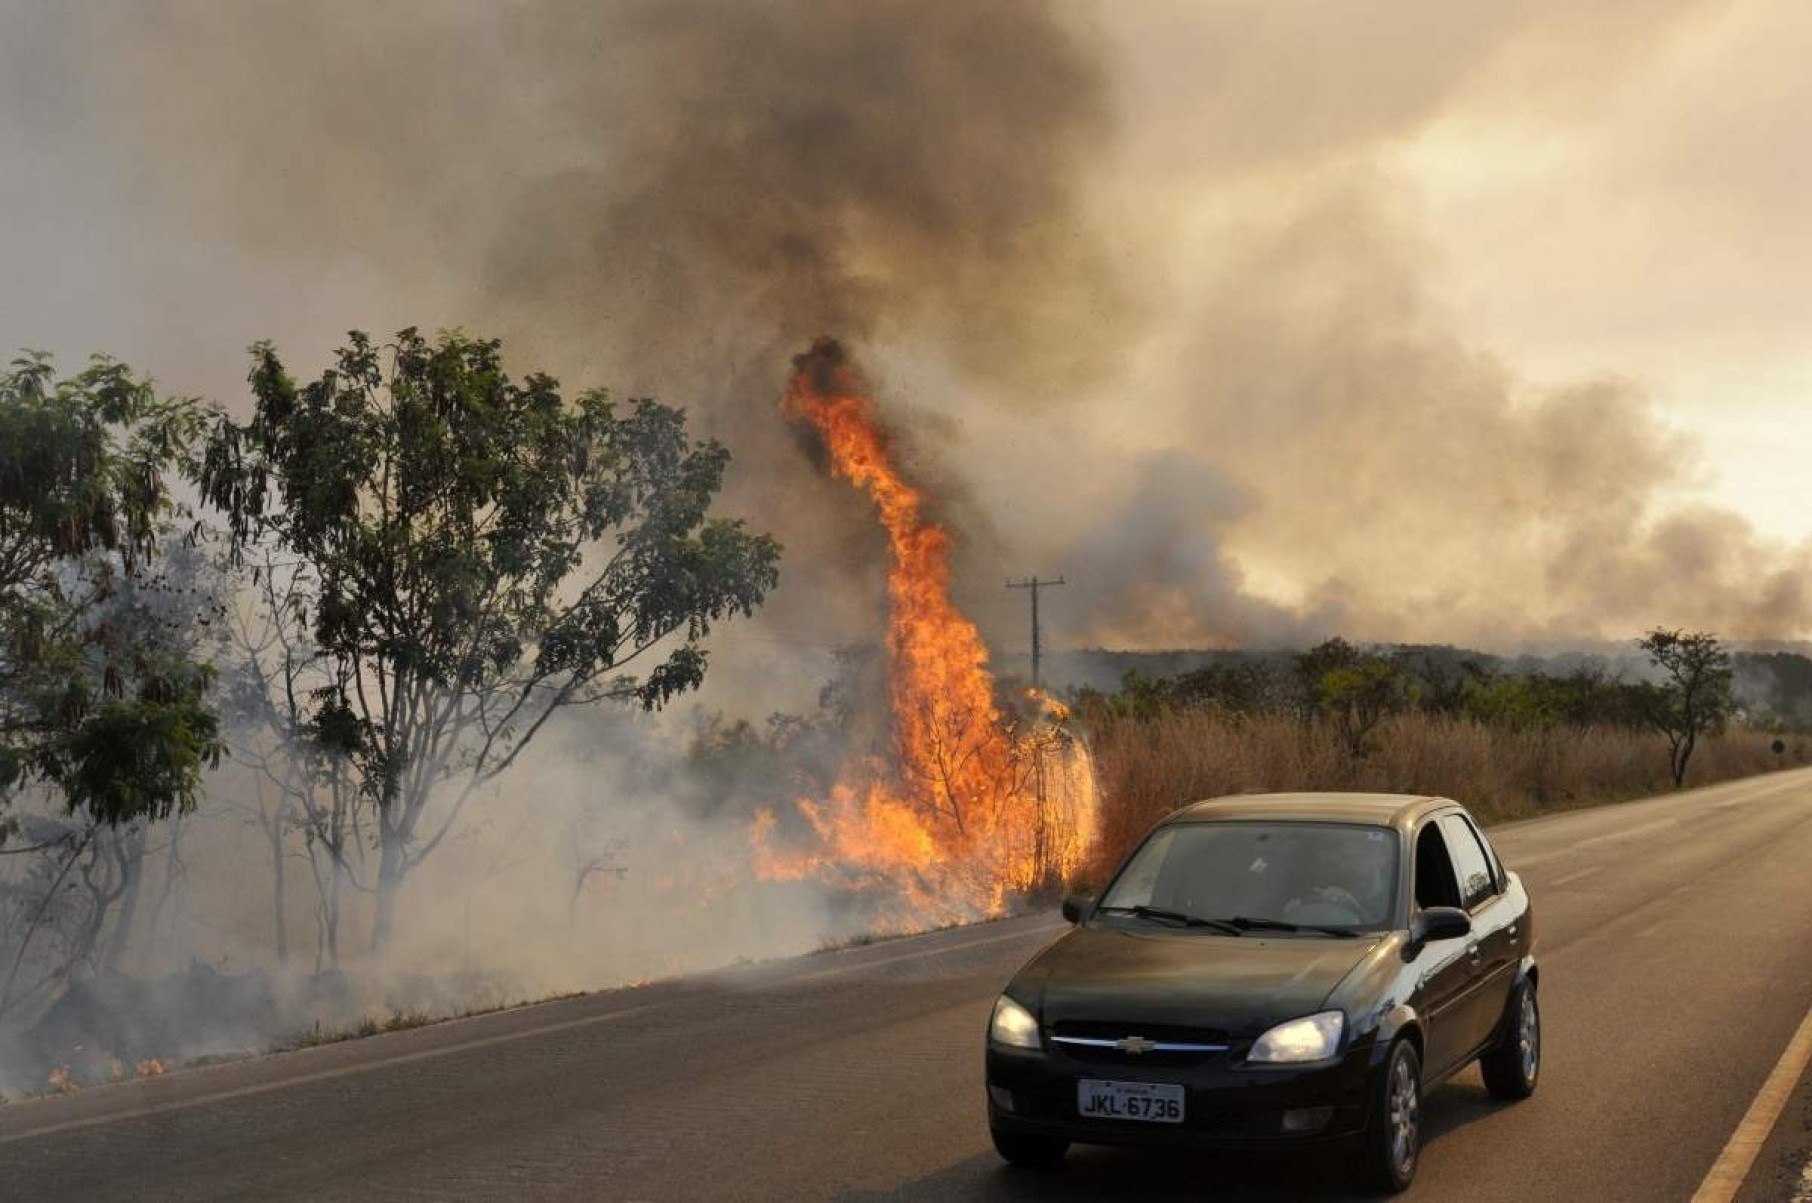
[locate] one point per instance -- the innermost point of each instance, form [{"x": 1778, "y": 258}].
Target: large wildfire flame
[{"x": 970, "y": 808}]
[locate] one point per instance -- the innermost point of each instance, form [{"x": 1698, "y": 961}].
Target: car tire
[
  {"x": 1029, "y": 1149},
  {"x": 1513, "y": 1065},
  {"x": 1392, "y": 1144}
]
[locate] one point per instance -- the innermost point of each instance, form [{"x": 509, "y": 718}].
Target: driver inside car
[{"x": 1333, "y": 889}]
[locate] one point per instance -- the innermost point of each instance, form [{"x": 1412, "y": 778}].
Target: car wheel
[
  {"x": 1393, "y": 1142},
  {"x": 1512, "y": 1067},
  {"x": 1028, "y": 1148}
]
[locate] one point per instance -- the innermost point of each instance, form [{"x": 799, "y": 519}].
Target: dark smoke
[
  {"x": 1174, "y": 230},
  {"x": 668, "y": 187},
  {"x": 1157, "y": 564},
  {"x": 671, "y": 198}
]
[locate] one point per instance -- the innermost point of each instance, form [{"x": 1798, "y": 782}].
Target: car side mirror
[
  {"x": 1077, "y": 907},
  {"x": 1438, "y": 923}
]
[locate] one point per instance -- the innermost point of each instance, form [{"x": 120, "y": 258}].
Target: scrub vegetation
[{"x": 1339, "y": 717}]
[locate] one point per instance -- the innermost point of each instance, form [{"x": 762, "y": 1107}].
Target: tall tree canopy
[
  {"x": 480, "y": 553},
  {"x": 95, "y": 707}
]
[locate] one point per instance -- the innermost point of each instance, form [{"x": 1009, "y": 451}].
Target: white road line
[
  {"x": 1733, "y": 1164},
  {"x": 320, "y": 1075},
  {"x": 1622, "y": 833},
  {"x": 919, "y": 956},
  {"x": 1572, "y": 877}
]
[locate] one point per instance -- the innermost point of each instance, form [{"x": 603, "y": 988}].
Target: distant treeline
[
  {"x": 1509, "y": 737},
  {"x": 1771, "y": 690}
]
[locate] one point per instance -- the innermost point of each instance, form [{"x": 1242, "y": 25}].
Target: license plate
[{"x": 1149, "y": 1102}]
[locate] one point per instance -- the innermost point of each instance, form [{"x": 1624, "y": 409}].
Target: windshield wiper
[
  {"x": 1244, "y": 923},
  {"x": 1159, "y": 913}
]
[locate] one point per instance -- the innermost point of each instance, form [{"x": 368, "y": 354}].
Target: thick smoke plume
[
  {"x": 1147, "y": 278},
  {"x": 670, "y": 197}
]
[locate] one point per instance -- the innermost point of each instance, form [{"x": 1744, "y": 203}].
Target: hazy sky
[
  {"x": 1658, "y": 230},
  {"x": 1412, "y": 320}
]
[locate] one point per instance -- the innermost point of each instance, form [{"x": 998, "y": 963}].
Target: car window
[
  {"x": 1470, "y": 865},
  {"x": 1135, "y": 886},
  {"x": 1321, "y": 874},
  {"x": 1497, "y": 862},
  {"x": 1492, "y": 861},
  {"x": 1435, "y": 882}
]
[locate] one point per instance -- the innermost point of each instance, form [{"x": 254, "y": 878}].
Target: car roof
[{"x": 1380, "y": 810}]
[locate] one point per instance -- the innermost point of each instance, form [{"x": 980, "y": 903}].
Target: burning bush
[{"x": 969, "y": 806}]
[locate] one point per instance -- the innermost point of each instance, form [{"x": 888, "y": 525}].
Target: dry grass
[
  {"x": 369, "y": 1025},
  {"x": 1147, "y": 768}
]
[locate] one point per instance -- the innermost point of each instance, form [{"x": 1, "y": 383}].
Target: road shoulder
[{"x": 1783, "y": 1169}]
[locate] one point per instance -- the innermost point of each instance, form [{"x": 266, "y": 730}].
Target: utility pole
[
  {"x": 1042, "y": 819},
  {"x": 1034, "y": 584}
]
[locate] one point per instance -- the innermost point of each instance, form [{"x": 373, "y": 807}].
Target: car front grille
[{"x": 1110, "y": 1043}]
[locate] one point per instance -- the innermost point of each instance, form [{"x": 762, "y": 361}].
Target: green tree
[
  {"x": 99, "y": 706},
  {"x": 1695, "y": 694},
  {"x": 1356, "y": 689},
  {"x": 1248, "y": 688},
  {"x": 1515, "y": 702},
  {"x": 483, "y": 554},
  {"x": 1141, "y": 696}
]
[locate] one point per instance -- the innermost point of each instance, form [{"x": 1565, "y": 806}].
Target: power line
[{"x": 1034, "y": 584}]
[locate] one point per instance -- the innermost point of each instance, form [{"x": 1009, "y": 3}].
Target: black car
[{"x": 1273, "y": 971}]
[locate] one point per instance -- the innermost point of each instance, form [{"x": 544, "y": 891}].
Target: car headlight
[
  {"x": 1311, "y": 1038},
  {"x": 1013, "y": 1025}
]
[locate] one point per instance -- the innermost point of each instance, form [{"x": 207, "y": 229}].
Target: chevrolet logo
[{"x": 1135, "y": 1045}]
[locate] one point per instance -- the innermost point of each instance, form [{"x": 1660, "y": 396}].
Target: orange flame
[{"x": 968, "y": 810}]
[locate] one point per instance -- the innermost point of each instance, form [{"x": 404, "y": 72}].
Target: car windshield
[{"x": 1308, "y": 875}]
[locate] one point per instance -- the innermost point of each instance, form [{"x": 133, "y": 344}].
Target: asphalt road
[{"x": 1676, "y": 945}]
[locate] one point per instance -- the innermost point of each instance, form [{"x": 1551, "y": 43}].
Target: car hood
[{"x": 1239, "y": 984}]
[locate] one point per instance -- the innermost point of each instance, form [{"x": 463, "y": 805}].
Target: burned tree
[
  {"x": 298, "y": 787},
  {"x": 484, "y": 553}
]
